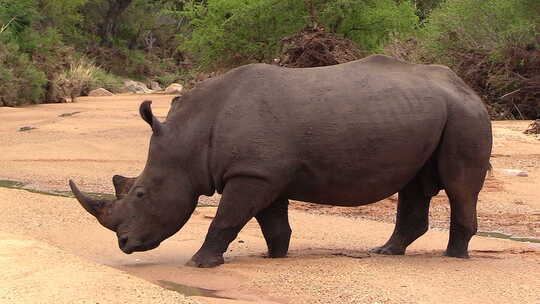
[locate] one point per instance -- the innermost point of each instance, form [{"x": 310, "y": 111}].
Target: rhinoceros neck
[{"x": 192, "y": 119}]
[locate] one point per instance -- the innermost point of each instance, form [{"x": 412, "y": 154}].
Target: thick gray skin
[{"x": 345, "y": 135}]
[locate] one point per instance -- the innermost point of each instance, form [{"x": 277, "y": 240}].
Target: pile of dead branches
[
  {"x": 314, "y": 47},
  {"x": 534, "y": 128}
]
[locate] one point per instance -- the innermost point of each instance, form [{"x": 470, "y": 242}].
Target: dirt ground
[{"x": 52, "y": 251}]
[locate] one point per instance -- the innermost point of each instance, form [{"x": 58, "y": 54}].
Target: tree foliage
[
  {"x": 493, "y": 45},
  {"x": 488, "y": 42},
  {"x": 370, "y": 23},
  {"x": 19, "y": 78},
  {"x": 238, "y": 31},
  {"x": 483, "y": 25}
]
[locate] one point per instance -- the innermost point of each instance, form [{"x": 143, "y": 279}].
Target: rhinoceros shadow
[{"x": 323, "y": 253}]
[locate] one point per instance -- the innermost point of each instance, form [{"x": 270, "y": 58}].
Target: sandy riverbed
[{"x": 50, "y": 249}]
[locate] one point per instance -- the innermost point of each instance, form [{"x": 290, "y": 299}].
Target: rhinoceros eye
[{"x": 139, "y": 193}]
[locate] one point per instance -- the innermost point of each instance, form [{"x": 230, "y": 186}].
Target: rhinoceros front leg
[
  {"x": 242, "y": 199},
  {"x": 274, "y": 222},
  {"x": 411, "y": 220}
]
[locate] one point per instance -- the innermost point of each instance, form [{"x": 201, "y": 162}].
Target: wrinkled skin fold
[{"x": 346, "y": 135}]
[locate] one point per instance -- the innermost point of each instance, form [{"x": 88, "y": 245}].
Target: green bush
[
  {"x": 108, "y": 81},
  {"x": 491, "y": 44},
  {"x": 21, "y": 13},
  {"x": 490, "y": 25},
  {"x": 233, "y": 32},
  {"x": 20, "y": 81},
  {"x": 82, "y": 76},
  {"x": 166, "y": 79},
  {"x": 424, "y": 7},
  {"x": 75, "y": 80},
  {"x": 370, "y": 23}
]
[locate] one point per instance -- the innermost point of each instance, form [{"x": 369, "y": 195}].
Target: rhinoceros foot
[
  {"x": 457, "y": 254},
  {"x": 201, "y": 260},
  {"x": 388, "y": 250},
  {"x": 277, "y": 254}
]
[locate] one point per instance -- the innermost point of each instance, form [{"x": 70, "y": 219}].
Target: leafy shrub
[
  {"x": 232, "y": 32},
  {"x": 166, "y": 79},
  {"x": 19, "y": 13},
  {"x": 82, "y": 76},
  {"x": 20, "y": 81},
  {"x": 494, "y": 46},
  {"x": 489, "y": 25},
  {"x": 370, "y": 23},
  {"x": 75, "y": 80},
  {"x": 424, "y": 7},
  {"x": 108, "y": 81}
]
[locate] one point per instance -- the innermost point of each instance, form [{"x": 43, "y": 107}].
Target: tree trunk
[
  {"x": 109, "y": 28},
  {"x": 313, "y": 13}
]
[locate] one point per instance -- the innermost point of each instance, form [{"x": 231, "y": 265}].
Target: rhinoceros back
[{"x": 348, "y": 134}]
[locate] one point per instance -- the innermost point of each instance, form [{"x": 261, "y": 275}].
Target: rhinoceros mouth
[{"x": 142, "y": 247}]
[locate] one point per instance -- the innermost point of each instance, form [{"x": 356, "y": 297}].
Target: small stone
[
  {"x": 534, "y": 128},
  {"x": 514, "y": 172},
  {"x": 69, "y": 114},
  {"x": 154, "y": 85},
  {"x": 26, "y": 128},
  {"x": 100, "y": 92},
  {"x": 174, "y": 88},
  {"x": 136, "y": 87}
]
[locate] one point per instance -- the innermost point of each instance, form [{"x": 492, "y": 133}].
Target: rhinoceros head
[{"x": 152, "y": 206}]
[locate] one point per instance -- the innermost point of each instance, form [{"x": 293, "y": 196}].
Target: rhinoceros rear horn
[
  {"x": 122, "y": 185},
  {"x": 146, "y": 113},
  {"x": 97, "y": 208}
]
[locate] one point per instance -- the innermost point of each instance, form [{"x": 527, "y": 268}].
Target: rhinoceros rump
[{"x": 347, "y": 135}]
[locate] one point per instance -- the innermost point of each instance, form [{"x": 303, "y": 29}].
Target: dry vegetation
[{"x": 314, "y": 46}]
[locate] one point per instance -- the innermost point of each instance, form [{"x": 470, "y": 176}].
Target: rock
[
  {"x": 100, "y": 92},
  {"x": 69, "y": 114},
  {"x": 154, "y": 85},
  {"x": 26, "y": 128},
  {"x": 516, "y": 172},
  {"x": 174, "y": 88},
  {"x": 136, "y": 87},
  {"x": 534, "y": 128}
]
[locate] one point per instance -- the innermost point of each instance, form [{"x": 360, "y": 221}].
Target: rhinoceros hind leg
[
  {"x": 274, "y": 222},
  {"x": 463, "y": 221},
  {"x": 463, "y": 176},
  {"x": 411, "y": 220},
  {"x": 463, "y": 161},
  {"x": 242, "y": 199}
]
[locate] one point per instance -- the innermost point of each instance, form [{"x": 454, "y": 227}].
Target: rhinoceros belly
[{"x": 360, "y": 159}]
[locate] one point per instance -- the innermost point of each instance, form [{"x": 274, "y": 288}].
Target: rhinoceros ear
[{"x": 146, "y": 113}]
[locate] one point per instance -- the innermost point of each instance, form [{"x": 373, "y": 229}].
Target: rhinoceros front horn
[{"x": 97, "y": 208}]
